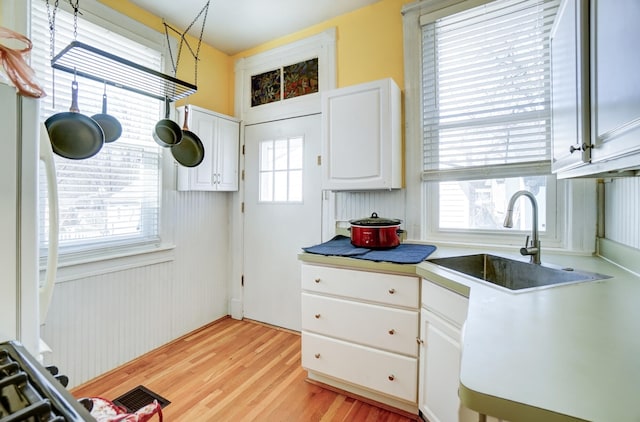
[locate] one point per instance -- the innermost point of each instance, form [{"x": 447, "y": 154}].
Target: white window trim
[
  {"x": 99, "y": 14},
  {"x": 575, "y": 200},
  {"x": 73, "y": 266}
]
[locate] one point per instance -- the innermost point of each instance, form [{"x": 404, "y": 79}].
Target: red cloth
[
  {"x": 13, "y": 61},
  {"x": 106, "y": 411}
]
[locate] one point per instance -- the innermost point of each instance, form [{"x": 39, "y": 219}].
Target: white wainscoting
[
  {"x": 622, "y": 211},
  {"x": 387, "y": 204},
  {"x": 101, "y": 321}
]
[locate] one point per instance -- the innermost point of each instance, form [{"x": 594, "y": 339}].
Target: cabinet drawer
[
  {"x": 392, "y": 289},
  {"x": 444, "y": 302},
  {"x": 385, "y": 372},
  {"x": 373, "y": 325}
]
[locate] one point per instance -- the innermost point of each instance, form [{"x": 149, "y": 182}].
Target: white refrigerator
[{"x": 24, "y": 299}]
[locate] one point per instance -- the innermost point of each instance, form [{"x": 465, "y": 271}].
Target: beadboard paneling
[
  {"x": 353, "y": 205},
  {"x": 622, "y": 211},
  {"x": 101, "y": 321}
]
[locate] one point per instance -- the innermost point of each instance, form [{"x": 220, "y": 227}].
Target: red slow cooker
[{"x": 375, "y": 232}]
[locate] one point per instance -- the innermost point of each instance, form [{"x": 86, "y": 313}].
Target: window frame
[
  {"x": 423, "y": 219},
  {"x": 111, "y": 20}
]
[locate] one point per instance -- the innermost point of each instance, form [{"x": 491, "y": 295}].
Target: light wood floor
[{"x": 234, "y": 371}]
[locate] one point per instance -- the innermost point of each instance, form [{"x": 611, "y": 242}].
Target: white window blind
[
  {"x": 111, "y": 199},
  {"x": 486, "y": 91}
]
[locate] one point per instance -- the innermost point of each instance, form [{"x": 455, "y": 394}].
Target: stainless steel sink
[{"x": 513, "y": 274}]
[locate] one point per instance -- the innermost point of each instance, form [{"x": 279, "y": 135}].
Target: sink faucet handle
[{"x": 526, "y": 242}]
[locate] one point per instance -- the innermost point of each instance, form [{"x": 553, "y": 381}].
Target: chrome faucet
[{"x": 533, "y": 249}]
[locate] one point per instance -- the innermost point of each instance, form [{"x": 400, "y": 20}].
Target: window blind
[
  {"x": 486, "y": 91},
  {"x": 113, "y": 198}
]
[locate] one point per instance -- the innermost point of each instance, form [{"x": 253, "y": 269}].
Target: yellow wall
[
  {"x": 215, "y": 69},
  {"x": 369, "y": 43},
  {"x": 369, "y": 47}
]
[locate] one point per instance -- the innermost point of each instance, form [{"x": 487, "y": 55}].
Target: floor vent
[{"x": 138, "y": 398}]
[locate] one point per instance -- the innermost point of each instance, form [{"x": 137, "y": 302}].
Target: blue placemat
[
  {"x": 405, "y": 253},
  {"x": 338, "y": 246}
]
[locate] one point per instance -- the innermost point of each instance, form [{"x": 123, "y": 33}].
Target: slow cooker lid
[{"x": 374, "y": 220}]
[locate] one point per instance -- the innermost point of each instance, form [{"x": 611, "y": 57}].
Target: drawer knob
[
  {"x": 392, "y": 332},
  {"x": 392, "y": 291},
  {"x": 317, "y": 316},
  {"x": 392, "y": 377},
  {"x": 317, "y": 280},
  {"x": 317, "y": 355}
]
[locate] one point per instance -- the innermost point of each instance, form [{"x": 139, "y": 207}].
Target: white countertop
[{"x": 563, "y": 353}]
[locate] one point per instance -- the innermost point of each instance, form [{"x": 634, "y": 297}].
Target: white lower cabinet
[
  {"x": 442, "y": 316},
  {"x": 440, "y": 369},
  {"x": 359, "y": 331},
  {"x": 364, "y": 332},
  {"x": 367, "y": 367}
]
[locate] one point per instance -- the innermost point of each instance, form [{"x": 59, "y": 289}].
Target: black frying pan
[
  {"x": 110, "y": 125},
  {"x": 74, "y": 135},
  {"x": 190, "y": 151},
  {"x": 167, "y": 133}
]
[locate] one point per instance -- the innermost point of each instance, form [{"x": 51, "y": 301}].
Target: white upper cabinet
[
  {"x": 570, "y": 85},
  {"x": 606, "y": 137},
  {"x": 362, "y": 137},
  {"x": 615, "y": 93},
  {"x": 220, "y": 136}
]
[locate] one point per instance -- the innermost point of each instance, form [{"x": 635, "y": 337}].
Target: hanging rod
[{"x": 92, "y": 63}]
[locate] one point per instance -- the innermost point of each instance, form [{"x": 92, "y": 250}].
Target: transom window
[{"x": 281, "y": 170}]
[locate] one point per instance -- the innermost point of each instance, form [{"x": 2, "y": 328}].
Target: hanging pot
[
  {"x": 190, "y": 151},
  {"x": 74, "y": 135},
  {"x": 167, "y": 133},
  {"x": 375, "y": 232},
  {"x": 110, "y": 125}
]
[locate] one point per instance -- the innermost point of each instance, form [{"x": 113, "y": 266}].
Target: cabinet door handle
[
  {"x": 317, "y": 355},
  {"x": 419, "y": 340},
  {"x": 583, "y": 147},
  {"x": 392, "y": 332},
  {"x": 317, "y": 280},
  {"x": 392, "y": 291},
  {"x": 317, "y": 316},
  {"x": 392, "y": 377}
]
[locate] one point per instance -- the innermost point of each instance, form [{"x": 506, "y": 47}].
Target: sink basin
[{"x": 513, "y": 274}]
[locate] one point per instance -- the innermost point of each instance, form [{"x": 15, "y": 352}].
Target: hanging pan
[
  {"x": 110, "y": 125},
  {"x": 190, "y": 151},
  {"x": 167, "y": 133},
  {"x": 74, "y": 135}
]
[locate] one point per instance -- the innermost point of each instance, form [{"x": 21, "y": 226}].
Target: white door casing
[{"x": 322, "y": 46}]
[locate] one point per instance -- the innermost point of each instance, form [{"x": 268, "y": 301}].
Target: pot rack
[
  {"x": 98, "y": 65},
  {"x": 93, "y": 63}
]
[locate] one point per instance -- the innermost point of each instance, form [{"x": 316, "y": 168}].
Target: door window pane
[{"x": 281, "y": 170}]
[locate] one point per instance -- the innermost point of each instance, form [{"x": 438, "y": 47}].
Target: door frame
[{"x": 322, "y": 46}]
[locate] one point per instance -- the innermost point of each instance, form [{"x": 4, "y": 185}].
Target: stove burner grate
[{"x": 29, "y": 393}]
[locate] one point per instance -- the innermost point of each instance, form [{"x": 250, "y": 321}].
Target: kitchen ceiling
[{"x": 236, "y": 25}]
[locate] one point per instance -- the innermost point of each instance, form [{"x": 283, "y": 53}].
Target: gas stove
[{"x": 30, "y": 392}]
